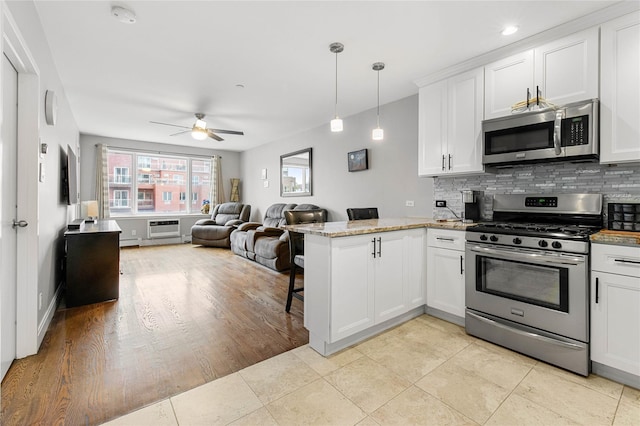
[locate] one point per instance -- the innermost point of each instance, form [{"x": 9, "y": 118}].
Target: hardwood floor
[{"x": 186, "y": 316}]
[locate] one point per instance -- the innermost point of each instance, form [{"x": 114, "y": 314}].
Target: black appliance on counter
[{"x": 527, "y": 276}]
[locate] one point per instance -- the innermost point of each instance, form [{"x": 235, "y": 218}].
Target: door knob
[{"x": 19, "y": 223}]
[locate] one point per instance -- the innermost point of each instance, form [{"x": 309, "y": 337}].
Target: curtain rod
[{"x": 155, "y": 152}]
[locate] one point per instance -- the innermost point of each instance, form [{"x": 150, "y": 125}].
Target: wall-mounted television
[{"x": 72, "y": 177}]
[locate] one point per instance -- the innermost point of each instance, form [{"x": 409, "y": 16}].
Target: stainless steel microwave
[{"x": 568, "y": 133}]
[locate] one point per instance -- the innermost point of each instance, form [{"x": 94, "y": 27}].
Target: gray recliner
[
  {"x": 216, "y": 232},
  {"x": 267, "y": 243}
]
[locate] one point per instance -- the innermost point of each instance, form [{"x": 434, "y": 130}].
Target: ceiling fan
[{"x": 199, "y": 130}]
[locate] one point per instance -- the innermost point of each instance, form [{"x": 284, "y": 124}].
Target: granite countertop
[
  {"x": 625, "y": 238},
  {"x": 369, "y": 226}
]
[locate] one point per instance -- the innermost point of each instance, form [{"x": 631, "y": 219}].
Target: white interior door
[{"x": 8, "y": 211}]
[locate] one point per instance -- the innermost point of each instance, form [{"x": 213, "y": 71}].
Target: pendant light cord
[
  {"x": 378, "y": 111},
  {"x": 335, "y": 111}
]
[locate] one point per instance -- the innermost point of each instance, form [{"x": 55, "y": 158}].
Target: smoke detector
[{"x": 123, "y": 14}]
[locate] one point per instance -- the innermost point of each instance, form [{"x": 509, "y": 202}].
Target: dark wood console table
[{"x": 92, "y": 263}]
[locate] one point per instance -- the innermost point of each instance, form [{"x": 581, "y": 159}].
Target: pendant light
[
  {"x": 336, "y": 123},
  {"x": 378, "y": 133}
]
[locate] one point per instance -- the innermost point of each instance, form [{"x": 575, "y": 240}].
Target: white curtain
[
  {"x": 102, "y": 181},
  {"x": 217, "y": 186}
]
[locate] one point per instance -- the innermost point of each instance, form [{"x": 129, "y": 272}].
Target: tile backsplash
[{"x": 619, "y": 184}]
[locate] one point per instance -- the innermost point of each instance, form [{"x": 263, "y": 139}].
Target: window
[
  {"x": 120, "y": 198},
  {"x": 157, "y": 178},
  {"x": 200, "y": 182},
  {"x": 144, "y": 162},
  {"x": 121, "y": 175},
  {"x": 144, "y": 178}
]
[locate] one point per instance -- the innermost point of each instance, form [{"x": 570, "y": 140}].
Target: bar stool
[{"x": 296, "y": 247}]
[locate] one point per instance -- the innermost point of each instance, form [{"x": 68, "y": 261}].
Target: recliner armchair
[
  {"x": 267, "y": 243},
  {"x": 216, "y": 232}
]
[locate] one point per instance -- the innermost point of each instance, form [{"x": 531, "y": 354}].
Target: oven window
[
  {"x": 546, "y": 286},
  {"x": 524, "y": 138}
]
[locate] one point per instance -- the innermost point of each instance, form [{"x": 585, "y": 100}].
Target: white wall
[
  {"x": 392, "y": 177},
  {"x": 52, "y": 213}
]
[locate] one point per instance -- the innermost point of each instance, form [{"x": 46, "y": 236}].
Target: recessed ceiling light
[
  {"x": 123, "y": 15},
  {"x": 511, "y": 29}
]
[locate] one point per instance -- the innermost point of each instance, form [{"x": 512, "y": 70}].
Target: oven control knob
[
  {"x": 517, "y": 241},
  {"x": 493, "y": 238},
  {"x": 556, "y": 245},
  {"x": 483, "y": 237},
  {"x": 543, "y": 243}
]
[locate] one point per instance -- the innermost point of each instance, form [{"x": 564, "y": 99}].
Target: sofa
[
  {"x": 216, "y": 232},
  {"x": 267, "y": 243}
]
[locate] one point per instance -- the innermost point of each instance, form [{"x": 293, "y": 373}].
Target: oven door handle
[
  {"x": 534, "y": 257},
  {"x": 526, "y": 333}
]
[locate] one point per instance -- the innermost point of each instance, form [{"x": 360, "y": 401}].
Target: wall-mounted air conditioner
[{"x": 163, "y": 228}]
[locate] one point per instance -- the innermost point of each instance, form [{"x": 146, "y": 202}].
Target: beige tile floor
[{"x": 424, "y": 372}]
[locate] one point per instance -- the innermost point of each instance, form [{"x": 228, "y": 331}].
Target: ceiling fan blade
[
  {"x": 180, "y": 132},
  {"x": 167, "y": 124},
  {"x": 228, "y": 132},
  {"x": 214, "y": 136}
]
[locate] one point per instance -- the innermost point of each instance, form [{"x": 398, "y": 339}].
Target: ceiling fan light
[
  {"x": 198, "y": 133},
  {"x": 200, "y": 124},
  {"x": 377, "y": 134},
  {"x": 336, "y": 125}
]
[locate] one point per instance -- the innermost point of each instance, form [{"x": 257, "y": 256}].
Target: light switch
[{"x": 41, "y": 172}]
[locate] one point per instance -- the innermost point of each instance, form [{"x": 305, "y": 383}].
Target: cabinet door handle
[
  {"x": 635, "y": 262},
  {"x": 461, "y": 269},
  {"x": 538, "y": 95},
  {"x": 528, "y": 97},
  {"x": 597, "y": 289},
  {"x": 374, "y": 248},
  {"x": 449, "y": 161},
  {"x": 444, "y": 239},
  {"x": 379, "y": 246},
  {"x": 442, "y": 162}
]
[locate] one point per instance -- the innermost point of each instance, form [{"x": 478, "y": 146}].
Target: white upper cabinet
[
  {"x": 620, "y": 90},
  {"x": 564, "y": 71},
  {"x": 432, "y": 128},
  {"x": 450, "y": 122}
]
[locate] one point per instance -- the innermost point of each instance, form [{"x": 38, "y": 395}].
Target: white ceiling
[{"x": 183, "y": 57}]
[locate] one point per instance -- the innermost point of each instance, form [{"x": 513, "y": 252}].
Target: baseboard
[
  {"x": 445, "y": 316},
  {"x": 48, "y": 315},
  {"x": 184, "y": 239},
  {"x": 615, "y": 374}
]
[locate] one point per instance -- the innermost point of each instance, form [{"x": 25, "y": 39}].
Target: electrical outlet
[
  {"x": 39, "y": 301},
  {"x": 441, "y": 203},
  {"x": 134, "y": 232},
  {"x": 409, "y": 203}
]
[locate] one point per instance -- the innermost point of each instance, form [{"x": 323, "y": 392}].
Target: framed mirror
[{"x": 295, "y": 174}]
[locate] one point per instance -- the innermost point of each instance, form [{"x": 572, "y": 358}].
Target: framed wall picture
[{"x": 358, "y": 160}]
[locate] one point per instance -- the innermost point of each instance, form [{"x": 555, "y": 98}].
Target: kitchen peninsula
[{"x": 362, "y": 277}]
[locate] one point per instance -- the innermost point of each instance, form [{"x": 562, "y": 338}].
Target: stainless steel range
[{"x": 527, "y": 276}]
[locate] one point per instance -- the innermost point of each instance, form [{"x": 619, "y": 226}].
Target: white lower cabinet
[
  {"x": 445, "y": 271},
  {"x": 358, "y": 282},
  {"x": 615, "y": 307}
]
